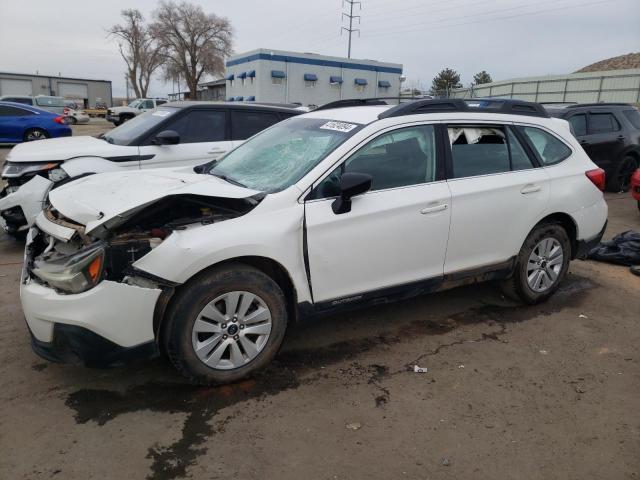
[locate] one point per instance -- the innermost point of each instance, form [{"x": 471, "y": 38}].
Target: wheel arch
[
  {"x": 567, "y": 222},
  {"x": 270, "y": 267}
]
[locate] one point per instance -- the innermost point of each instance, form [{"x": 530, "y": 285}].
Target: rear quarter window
[
  {"x": 633, "y": 116},
  {"x": 550, "y": 150}
]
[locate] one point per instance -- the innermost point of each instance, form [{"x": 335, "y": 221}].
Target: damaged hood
[
  {"x": 94, "y": 200},
  {"x": 57, "y": 149}
]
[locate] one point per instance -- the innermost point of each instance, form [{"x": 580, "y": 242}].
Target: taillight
[
  {"x": 597, "y": 177},
  {"x": 61, "y": 120},
  {"x": 66, "y": 110}
]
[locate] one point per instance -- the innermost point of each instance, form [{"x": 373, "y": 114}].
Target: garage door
[
  {"x": 73, "y": 90},
  {"x": 12, "y": 86}
]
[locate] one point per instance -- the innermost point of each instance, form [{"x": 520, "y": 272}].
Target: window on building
[{"x": 603, "y": 123}]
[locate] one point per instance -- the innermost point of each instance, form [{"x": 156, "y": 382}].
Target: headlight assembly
[
  {"x": 73, "y": 274},
  {"x": 14, "y": 170},
  {"x": 57, "y": 174}
]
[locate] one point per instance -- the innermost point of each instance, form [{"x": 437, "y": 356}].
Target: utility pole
[{"x": 350, "y": 16}]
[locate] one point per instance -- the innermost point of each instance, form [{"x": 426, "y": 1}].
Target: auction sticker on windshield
[{"x": 339, "y": 126}]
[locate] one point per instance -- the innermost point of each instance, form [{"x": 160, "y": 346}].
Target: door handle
[
  {"x": 437, "y": 208},
  {"x": 530, "y": 189},
  {"x": 218, "y": 150}
]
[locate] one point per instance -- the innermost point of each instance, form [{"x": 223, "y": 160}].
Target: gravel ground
[{"x": 511, "y": 392}]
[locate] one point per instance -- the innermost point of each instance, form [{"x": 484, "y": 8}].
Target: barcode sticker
[{"x": 339, "y": 126}]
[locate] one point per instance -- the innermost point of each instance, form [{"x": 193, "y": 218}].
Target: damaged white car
[
  {"x": 329, "y": 210},
  {"x": 178, "y": 134}
]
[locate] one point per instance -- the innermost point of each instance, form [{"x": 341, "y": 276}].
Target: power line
[{"x": 350, "y": 16}]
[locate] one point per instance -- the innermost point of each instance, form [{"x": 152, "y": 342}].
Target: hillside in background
[{"x": 622, "y": 62}]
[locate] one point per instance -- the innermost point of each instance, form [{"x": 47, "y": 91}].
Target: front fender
[
  {"x": 29, "y": 197},
  {"x": 83, "y": 165}
]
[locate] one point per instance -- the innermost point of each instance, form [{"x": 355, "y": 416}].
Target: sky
[{"x": 507, "y": 38}]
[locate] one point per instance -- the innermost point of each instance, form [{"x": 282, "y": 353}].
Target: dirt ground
[{"x": 511, "y": 392}]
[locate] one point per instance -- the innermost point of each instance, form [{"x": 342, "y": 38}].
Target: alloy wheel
[
  {"x": 231, "y": 330},
  {"x": 35, "y": 135},
  {"x": 545, "y": 264}
]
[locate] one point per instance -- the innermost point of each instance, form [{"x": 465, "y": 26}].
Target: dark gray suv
[{"x": 609, "y": 133}]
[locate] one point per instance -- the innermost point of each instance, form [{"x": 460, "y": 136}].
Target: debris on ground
[
  {"x": 623, "y": 249},
  {"x": 418, "y": 369},
  {"x": 460, "y": 366},
  {"x": 582, "y": 315},
  {"x": 353, "y": 426},
  {"x": 543, "y": 352},
  {"x": 445, "y": 461}
]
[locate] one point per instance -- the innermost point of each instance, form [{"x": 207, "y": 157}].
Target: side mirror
[
  {"x": 351, "y": 184},
  {"x": 167, "y": 137}
]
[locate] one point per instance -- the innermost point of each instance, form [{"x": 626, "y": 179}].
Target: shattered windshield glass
[{"x": 281, "y": 155}]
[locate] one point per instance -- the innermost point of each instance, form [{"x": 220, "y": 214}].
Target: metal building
[
  {"x": 81, "y": 90},
  {"x": 606, "y": 86},
  {"x": 309, "y": 79}
]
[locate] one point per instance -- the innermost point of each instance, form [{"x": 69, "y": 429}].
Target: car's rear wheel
[
  {"x": 72, "y": 120},
  {"x": 541, "y": 265},
  {"x": 225, "y": 324},
  {"x": 620, "y": 177},
  {"x": 35, "y": 134},
  {"x": 125, "y": 118}
]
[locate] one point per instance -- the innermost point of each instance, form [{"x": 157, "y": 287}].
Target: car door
[
  {"x": 203, "y": 137},
  {"x": 14, "y": 121},
  {"x": 497, "y": 193},
  {"x": 605, "y": 141},
  {"x": 396, "y": 233}
]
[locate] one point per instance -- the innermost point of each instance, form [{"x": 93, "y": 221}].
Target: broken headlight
[
  {"x": 13, "y": 170},
  {"x": 72, "y": 274},
  {"x": 57, "y": 174}
]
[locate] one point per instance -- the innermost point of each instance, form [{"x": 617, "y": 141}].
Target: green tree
[
  {"x": 482, "y": 77},
  {"x": 444, "y": 82}
]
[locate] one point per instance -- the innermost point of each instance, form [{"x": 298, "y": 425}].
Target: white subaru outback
[{"x": 328, "y": 210}]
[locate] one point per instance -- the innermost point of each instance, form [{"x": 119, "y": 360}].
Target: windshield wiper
[{"x": 229, "y": 179}]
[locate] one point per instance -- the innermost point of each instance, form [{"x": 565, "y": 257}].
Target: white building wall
[{"x": 294, "y": 89}]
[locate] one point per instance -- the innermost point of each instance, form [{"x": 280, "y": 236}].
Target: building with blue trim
[{"x": 277, "y": 76}]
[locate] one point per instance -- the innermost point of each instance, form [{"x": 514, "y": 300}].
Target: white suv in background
[
  {"x": 178, "y": 134},
  {"x": 119, "y": 115},
  {"x": 332, "y": 209}
]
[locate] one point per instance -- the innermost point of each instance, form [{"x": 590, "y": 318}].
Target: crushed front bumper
[{"x": 20, "y": 207}]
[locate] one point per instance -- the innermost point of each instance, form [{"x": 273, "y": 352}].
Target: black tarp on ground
[{"x": 623, "y": 249}]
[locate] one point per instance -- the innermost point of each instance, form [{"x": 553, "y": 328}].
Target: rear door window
[
  {"x": 199, "y": 126},
  {"x": 550, "y": 150},
  {"x": 603, "y": 123},
  {"x": 245, "y": 124},
  {"x": 578, "y": 124},
  {"x": 478, "y": 150},
  {"x": 633, "y": 116}
]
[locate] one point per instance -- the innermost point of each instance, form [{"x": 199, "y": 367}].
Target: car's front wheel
[
  {"x": 541, "y": 265},
  {"x": 225, "y": 324}
]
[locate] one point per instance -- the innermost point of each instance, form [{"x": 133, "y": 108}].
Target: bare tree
[
  {"x": 138, "y": 48},
  {"x": 195, "y": 42}
]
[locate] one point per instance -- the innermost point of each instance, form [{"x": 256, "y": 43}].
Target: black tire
[
  {"x": 72, "y": 120},
  {"x": 125, "y": 118},
  {"x": 619, "y": 179},
  {"x": 34, "y": 134},
  {"x": 195, "y": 296},
  {"x": 117, "y": 123},
  {"x": 517, "y": 286}
]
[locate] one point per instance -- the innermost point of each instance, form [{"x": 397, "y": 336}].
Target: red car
[{"x": 635, "y": 186}]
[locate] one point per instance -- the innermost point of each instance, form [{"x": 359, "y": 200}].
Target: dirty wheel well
[
  {"x": 266, "y": 265},
  {"x": 566, "y": 222}
]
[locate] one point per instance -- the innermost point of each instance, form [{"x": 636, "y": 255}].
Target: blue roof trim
[
  {"x": 335, "y": 79},
  {"x": 242, "y": 75},
  {"x": 251, "y": 74},
  {"x": 229, "y": 77},
  {"x": 277, "y": 74},
  {"x": 251, "y": 98},
  {"x": 384, "y": 83},
  {"x": 313, "y": 61},
  {"x": 360, "y": 81},
  {"x": 310, "y": 77}
]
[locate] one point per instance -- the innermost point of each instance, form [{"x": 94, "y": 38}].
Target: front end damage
[{"x": 83, "y": 297}]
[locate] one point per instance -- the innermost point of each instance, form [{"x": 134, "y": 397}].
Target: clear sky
[{"x": 508, "y": 38}]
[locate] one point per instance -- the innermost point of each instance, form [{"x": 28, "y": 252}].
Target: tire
[
  {"x": 619, "y": 180},
  {"x": 125, "y": 118},
  {"x": 34, "y": 134},
  {"x": 72, "y": 121},
  {"x": 117, "y": 123},
  {"x": 197, "y": 318},
  {"x": 525, "y": 284}
]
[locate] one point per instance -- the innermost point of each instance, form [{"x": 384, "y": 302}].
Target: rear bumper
[
  {"x": 635, "y": 185},
  {"x": 585, "y": 246},
  {"x": 77, "y": 345}
]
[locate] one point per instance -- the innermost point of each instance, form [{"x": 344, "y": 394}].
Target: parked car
[
  {"x": 22, "y": 123},
  {"x": 635, "y": 186},
  {"x": 76, "y": 116},
  {"x": 179, "y": 134},
  {"x": 328, "y": 210},
  {"x": 43, "y": 102},
  {"x": 609, "y": 133},
  {"x": 119, "y": 115}
]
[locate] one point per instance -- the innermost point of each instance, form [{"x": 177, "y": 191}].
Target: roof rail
[
  {"x": 601, "y": 104},
  {"x": 359, "y": 102},
  {"x": 487, "y": 105}
]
